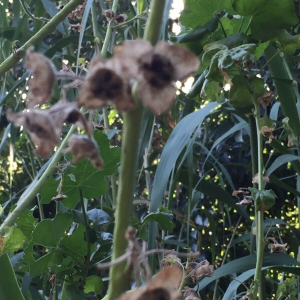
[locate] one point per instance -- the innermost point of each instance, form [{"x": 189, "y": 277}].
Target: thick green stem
[
  {"x": 47, "y": 29},
  {"x": 258, "y": 213},
  {"x": 9, "y": 288},
  {"x": 119, "y": 281}
]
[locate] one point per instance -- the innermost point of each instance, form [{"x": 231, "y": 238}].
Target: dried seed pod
[
  {"x": 109, "y": 14},
  {"x": 266, "y": 98},
  {"x": 43, "y": 78},
  {"x": 121, "y": 18},
  {"x": 40, "y": 128},
  {"x": 59, "y": 197},
  {"x": 103, "y": 85},
  {"x": 255, "y": 179},
  {"x": 159, "y": 67},
  {"x": 203, "y": 269},
  {"x": 190, "y": 294},
  {"x": 82, "y": 146}
]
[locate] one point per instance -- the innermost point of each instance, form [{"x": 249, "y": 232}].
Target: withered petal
[
  {"x": 82, "y": 146},
  {"x": 184, "y": 61},
  {"x": 40, "y": 128},
  {"x": 127, "y": 57},
  {"x": 158, "y": 100},
  {"x": 42, "y": 71}
]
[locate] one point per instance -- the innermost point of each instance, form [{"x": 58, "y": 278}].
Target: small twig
[{"x": 28, "y": 12}]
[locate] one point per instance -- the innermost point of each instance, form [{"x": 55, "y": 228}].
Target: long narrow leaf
[{"x": 279, "y": 161}]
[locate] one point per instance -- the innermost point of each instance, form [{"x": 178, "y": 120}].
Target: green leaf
[
  {"x": 199, "y": 12},
  {"x": 163, "y": 218},
  {"x": 26, "y": 223},
  {"x": 260, "y": 49},
  {"x": 268, "y": 16},
  {"x": 74, "y": 293},
  {"x": 198, "y": 33},
  {"x": 265, "y": 199},
  {"x": 281, "y": 160},
  {"x": 75, "y": 243},
  {"x": 48, "y": 232},
  {"x": 244, "y": 92},
  {"x": 93, "y": 284},
  {"x": 14, "y": 241},
  {"x": 98, "y": 217}
]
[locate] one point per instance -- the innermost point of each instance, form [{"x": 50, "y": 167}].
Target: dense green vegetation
[{"x": 211, "y": 173}]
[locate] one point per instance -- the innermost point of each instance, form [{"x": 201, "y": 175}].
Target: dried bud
[
  {"x": 266, "y": 98},
  {"x": 203, "y": 269},
  {"x": 40, "y": 86},
  {"x": 109, "y": 14},
  {"x": 121, "y": 18},
  {"x": 82, "y": 146}
]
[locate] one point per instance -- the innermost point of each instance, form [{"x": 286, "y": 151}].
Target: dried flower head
[
  {"x": 40, "y": 128},
  {"x": 268, "y": 132},
  {"x": 203, "y": 269},
  {"x": 43, "y": 78},
  {"x": 275, "y": 246},
  {"x": 105, "y": 84},
  {"x": 109, "y": 14},
  {"x": 82, "y": 146},
  {"x": 266, "y": 98},
  {"x": 170, "y": 259},
  {"x": 121, "y": 18},
  {"x": 159, "y": 67},
  {"x": 164, "y": 286},
  {"x": 77, "y": 12}
]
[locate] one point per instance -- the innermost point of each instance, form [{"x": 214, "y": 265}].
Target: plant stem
[
  {"x": 45, "y": 30},
  {"x": 259, "y": 214},
  {"x": 119, "y": 282},
  {"x": 88, "y": 243}
]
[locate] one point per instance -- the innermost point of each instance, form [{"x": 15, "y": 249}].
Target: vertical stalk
[
  {"x": 258, "y": 213},
  {"x": 119, "y": 281}
]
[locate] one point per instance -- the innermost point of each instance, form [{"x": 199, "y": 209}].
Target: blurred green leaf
[
  {"x": 93, "y": 284},
  {"x": 267, "y": 16}
]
